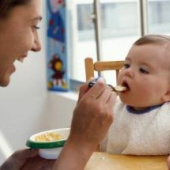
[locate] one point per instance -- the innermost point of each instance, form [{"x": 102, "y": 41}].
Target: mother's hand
[
  {"x": 38, "y": 163},
  {"x": 18, "y": 159},
  {"x": 93, "y": 114}
]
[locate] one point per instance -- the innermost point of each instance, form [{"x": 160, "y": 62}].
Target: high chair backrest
[{"x": 91, "y": 67}]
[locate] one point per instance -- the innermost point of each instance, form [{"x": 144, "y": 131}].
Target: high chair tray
[{"x": 105, "y": 161}]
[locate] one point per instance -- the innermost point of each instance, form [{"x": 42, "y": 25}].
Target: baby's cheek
[
  {"x": 147, "y": 95},
  {"x": 143, "y": 90}
]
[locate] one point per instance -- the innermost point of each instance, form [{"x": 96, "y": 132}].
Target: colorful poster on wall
[{"x": 57, "y": 75}]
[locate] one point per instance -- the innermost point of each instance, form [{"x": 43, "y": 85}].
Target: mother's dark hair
[{"x": 7, "y": 5}]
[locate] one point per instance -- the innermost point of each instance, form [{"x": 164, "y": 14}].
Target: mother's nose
[{"x": 36, "y": 45}]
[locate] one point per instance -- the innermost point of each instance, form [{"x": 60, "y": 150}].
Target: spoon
[{"x": 114, "y": 88}]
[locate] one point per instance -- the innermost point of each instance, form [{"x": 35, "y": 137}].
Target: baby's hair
[
  {"x": 153, "y": 39},
  {"x": 163, "y": 40}
]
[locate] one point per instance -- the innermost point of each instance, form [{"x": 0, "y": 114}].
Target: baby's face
[{"x": 146, "y": 73}]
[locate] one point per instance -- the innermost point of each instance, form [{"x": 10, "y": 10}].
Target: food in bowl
[
  {"x": 48, "y": 137},
  {"x": 49, "y": 143}
]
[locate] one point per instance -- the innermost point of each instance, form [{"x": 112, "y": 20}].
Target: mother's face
[{"x": 18, "y": 35}]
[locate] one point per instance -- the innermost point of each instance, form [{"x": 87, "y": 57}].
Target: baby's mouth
[{"x": 125, "y": 84}]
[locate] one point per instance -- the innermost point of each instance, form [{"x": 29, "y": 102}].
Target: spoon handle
[{"x": 115, "y": 89}]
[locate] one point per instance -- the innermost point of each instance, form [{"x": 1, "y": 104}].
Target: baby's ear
[{"x": 166, "y": 97}]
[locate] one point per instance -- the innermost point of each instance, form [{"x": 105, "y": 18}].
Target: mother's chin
[
  {"x": 4, "y": 83},
  {"x": 5, "y": 79}
]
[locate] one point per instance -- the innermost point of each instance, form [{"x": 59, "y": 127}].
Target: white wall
[{"x": 26, "y": 106}]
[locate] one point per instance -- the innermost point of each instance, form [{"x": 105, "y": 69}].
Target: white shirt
[{"x": 139, "y": 134}]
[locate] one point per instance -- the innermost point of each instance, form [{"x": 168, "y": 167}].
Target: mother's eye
[{"x": 36, "y": 27}]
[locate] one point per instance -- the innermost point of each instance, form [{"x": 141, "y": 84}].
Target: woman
[{"x": 18, "y": 32}]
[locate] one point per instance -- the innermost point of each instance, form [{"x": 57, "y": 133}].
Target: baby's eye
[
  {"x": 142, "y": 70},
  {"x": 126, "y": 65}
]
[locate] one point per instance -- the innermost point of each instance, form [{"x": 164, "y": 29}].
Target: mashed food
[
  {"x": 120, "y": 88},
  {"x": 48, "y": 137}
]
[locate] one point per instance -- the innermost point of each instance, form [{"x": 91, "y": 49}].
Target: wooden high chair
[{"x": 91, "y": 67}]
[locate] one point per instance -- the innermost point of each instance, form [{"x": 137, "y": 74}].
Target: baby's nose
[{"x": 129, "y": 72}]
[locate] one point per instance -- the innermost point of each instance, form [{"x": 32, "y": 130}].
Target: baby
[{"x": 142, "y": 113}]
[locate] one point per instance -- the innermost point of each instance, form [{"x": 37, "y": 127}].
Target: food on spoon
[{"x": 120, "y": 88}]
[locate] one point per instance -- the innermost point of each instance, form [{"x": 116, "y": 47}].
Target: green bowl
[{"x": 64, "y": 132}]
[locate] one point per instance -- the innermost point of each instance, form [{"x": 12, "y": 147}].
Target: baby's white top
[{"x": 146, "y": 133}]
